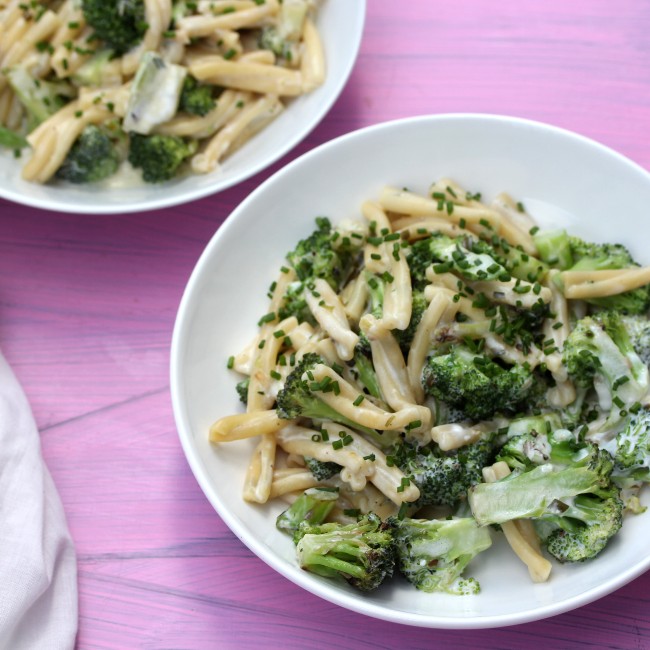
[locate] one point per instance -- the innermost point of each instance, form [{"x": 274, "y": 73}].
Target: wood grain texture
[{"x": 87, "y": 305}]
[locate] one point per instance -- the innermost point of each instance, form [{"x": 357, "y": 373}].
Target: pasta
[
  {"x": 198, "y": 80},
  {"x": 421, "y": 359}
]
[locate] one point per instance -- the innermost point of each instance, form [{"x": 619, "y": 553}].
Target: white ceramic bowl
[
  {"x": 562, "y": 178},
  {"x": 340, "y": 23}
]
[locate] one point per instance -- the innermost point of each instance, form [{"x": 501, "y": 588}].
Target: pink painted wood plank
[{"x": 87, "y": 306}]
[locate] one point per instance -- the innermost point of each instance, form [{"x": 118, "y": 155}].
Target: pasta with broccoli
[
  {"x": 87, "y": 86},
  {"x": 438, "y": 367}
]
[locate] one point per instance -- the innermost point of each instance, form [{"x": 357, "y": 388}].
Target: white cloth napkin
[{"x": 38, "y": 569}]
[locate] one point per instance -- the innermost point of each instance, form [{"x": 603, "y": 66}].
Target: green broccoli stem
[
  {"x": 554, "y": 248},
  {"x": 313, "y": 507},
  {"x": 315, "y": 408},
  {"x": 12, "y": 140},
  {"x": 367, "y": 374},
  {"x": 334, "y": 565}
]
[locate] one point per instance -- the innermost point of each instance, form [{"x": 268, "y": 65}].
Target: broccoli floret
[
  {"x": 283, "y": 39},
  {"x": 405, "y": 337},
  {"x": 91, "y": 158},
  {"x": 419, "y": 258},
  {"x": 121, "y": 24},
  {"x": 363, "y": 553},
  {"x": 601, "y": 257},
  {"x": 584, "y": 529},
  {"x": 432, "y": 554},
  {"x": 299, "y": 399},
  {"x": 638, "y": 329},
  {"x": 515, "y": 261},
  {"x": 476, "y": 384},
  {"x": 41, "y": 98},
  {"x": 463, "y": 256},
  {"x": 311, "y": 508},
  {"x": 599, "y": 353},
  {"x": 323, "y": 255},
  {"x": 271, "y": 39},
  {"x": 632, "y": 451},
  {"x": 588, "y": 256},
  {"x": 577, "y": 508},
  {"x": 456, "y": 255},
  {"x": 196, "y": 98},
  {"x": 159, "y": 156},
  {"x": 634, "y": 301},
  {"x": 294, "y": 304},
  {"x": 364, "y": 369},
  {"x": 554, "y": 248},
  {"x": 444, "y": 478},
  {"x": 242, "y": 389},
  {"x": 322, "y": 470}
]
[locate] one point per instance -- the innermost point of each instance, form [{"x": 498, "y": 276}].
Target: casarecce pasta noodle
[
  {"x": 441, "y": 363},
  {"x": 200, "y": 77}
]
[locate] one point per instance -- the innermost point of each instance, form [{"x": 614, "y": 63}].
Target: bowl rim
[
  {"x": 354, "y": 602},
  {"x": 294, "y": 139}
]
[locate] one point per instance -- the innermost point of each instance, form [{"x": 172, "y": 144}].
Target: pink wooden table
[{"x": 87, "y": 306}]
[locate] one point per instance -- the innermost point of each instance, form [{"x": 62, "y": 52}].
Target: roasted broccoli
[
  {"x": 476, "y": 384},
  {"x": 576, "y": 508},
  {"x": 324, "y": 254},
  {"x": 638, "y": 329},
  {"x": 599, "y": 353},
  {"x": 93, "y": 157},
  {"x": 299, "y": 398},
  {"x": 444, "y": 478},
  {"x": 514, "y": 260},
  {"x": 311, "y": 508},
  {"x": 632, "y": 450},
  {"x": 583, "y": 529},
  {"x": 588, "y": 256},
  {"x": 432, "y": 554},
  {"x": 362, "y": 553},
  {"x": 457, "y": 255},
  {"x": 196, "y": 98},
  {"x": 321, "y": 255},
  {"x": 363, "y": 368},
  {"x": 159, "y": 156},
  {"x": 120, "y": 24}
]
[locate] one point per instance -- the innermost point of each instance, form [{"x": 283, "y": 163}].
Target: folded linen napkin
[{"x": 38, "y": 571}]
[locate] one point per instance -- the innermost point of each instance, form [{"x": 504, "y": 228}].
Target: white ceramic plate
[
  {"x": 340, "y": 23},
  {"x": 562, "y": 178}
]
